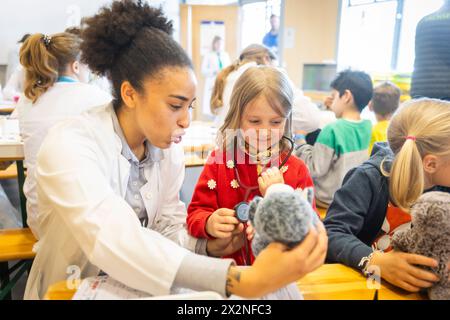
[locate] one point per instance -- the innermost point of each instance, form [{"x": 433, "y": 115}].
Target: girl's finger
[
  {"x": 225, "y": 227},
  {"x": 421, "y": 274},
  {"x": 417, "y": 282},
  {"x": 421, "y": 260},
  {"x": 228, "y": 220},
  {"x": 406, "y": 286}
]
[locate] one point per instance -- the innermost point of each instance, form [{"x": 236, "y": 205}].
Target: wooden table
[
  {"x": 329, "y": 282},
  {"x": 335, "y": 282}
]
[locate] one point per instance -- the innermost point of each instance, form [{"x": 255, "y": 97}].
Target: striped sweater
[
  {"x": 431, "y": 76},
  {"x": 340, "y": 146}
]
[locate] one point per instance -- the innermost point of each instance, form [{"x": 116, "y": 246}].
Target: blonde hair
[
  {"x": 253, "y": 53},
  {"x": 420, "y": 127},
  {"x": 270, "y": 82},
  {"x": 44, "y": 58}
]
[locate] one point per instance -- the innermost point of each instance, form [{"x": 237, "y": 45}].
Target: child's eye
[
  {"x": 254, "y": 121},
  {"x": 276, "y": 122},
  {"x": 176, "y": 108}
]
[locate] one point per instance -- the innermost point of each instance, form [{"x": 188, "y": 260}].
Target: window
[
  {"x": 413, "y": 11},
  {"x": 256, "y": 20},
  {"x": 379, "y": 35}
]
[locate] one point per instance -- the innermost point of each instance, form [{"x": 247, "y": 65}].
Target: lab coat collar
[{"x": 152, "y": 153}]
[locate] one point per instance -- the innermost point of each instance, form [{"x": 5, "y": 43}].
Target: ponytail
[
  {"x": 44, "y": 58},
  {"x": 407, "y": 181},
  {"x": 219, "y": 87},
  {"x": 420, "y": 128}
]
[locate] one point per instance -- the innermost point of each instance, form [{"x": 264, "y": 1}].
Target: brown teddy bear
[{"x": 429, "y": 235}]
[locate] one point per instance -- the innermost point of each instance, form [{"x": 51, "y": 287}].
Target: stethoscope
[
  {"x": 242, "y": 208},
  {"x": 250, "y": 189}
]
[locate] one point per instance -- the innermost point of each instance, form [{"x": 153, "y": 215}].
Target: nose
[{"x": 185, "y": 120}]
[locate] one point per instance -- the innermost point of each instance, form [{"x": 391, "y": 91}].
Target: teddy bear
[
  {"x": 283, "y": 215},
  {"x": 429, "y": 235}
]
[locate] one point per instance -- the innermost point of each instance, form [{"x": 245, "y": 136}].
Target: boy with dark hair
[
  {"x": 384, "y": 103},
  {"x": 344, "y": 144}
]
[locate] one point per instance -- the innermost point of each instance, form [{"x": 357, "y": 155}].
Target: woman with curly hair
[{"x": 109, "y": 180}]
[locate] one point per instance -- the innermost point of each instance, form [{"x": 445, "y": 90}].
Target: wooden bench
[
  {"x": 15, "y": 244},
  {"x": 9, "y": 173}
]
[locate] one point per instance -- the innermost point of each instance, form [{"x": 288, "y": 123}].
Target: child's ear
[
  {"x": 430, "y": 163},
  {"x": 252, "y": 208},
  {"x": 348, "y": 97},
  {"x": 370, "y": 105}
]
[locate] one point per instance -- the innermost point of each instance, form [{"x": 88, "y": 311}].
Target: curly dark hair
[{"x": 130, "y": 41}]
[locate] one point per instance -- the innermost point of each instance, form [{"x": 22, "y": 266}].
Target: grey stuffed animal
[
  {"x": 429, "y": 235},
  {"x": 283, "y": 215}
]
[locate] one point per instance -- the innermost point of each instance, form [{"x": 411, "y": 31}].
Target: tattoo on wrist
[{"x": 233, "y": 277}]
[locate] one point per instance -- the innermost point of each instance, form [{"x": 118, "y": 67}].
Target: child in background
[
  {"x": 344, "y": 144},
  {"x": 253, "y": 152},
  {"x": 375, "y": 198},
  {"x": 385, "y": 101}
]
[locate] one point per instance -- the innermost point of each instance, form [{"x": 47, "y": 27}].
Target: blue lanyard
[{"x": 66, "y": 79}]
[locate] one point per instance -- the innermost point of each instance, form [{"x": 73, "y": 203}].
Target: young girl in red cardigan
[{"x": 253, "y": 151}]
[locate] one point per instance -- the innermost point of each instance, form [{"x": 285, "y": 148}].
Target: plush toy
[
  {"x": 429, "y": 235},
  {"x": 283, "y": 215}
]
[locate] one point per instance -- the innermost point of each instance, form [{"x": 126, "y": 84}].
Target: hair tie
[
  {"x": 46, "y": 39},
  {"x": 413, "y": 138}
]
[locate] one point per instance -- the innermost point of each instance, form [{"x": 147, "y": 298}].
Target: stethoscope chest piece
[{"x": 242, "y": 213}]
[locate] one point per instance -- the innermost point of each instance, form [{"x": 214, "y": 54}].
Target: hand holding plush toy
[
  {"x": 283, "y": 215},
  {"x": 429, "y": 236}
]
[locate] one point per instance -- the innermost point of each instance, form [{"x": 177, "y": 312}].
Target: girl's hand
[
  {"x": 250, "y": 231},
  {"x": 400, "y": 269},
  {"x": 265, "y": 276},
  {"x": 269, "y": 177},
  {"x": 222, "y": 223},
  {"x": 226, "y": 246}
]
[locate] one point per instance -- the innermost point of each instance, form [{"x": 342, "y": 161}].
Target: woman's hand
[
  {"x": 222, "y": 223},
  {"x": 269, "y": 177},
  {"x": 401, "y": 269},
  {"x": 277, "y": 266}
]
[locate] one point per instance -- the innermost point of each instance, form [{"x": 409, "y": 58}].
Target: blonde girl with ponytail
[
  {"x": 376, "y": 197},
  {"x": 55, "y": 88}
]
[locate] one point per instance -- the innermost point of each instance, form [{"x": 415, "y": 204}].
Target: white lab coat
[
  {"x": 210, "y": 69},
  {"x": 61, "y": 101},
  {"x": 86, "y": 223}
]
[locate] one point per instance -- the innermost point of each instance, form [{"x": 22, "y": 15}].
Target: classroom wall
[
  {"x": 18, "y": 17},
  {"x": 310, "y": 34}
]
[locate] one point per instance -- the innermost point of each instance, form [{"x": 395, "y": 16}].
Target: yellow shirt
[{"x": 379, "y": 133}]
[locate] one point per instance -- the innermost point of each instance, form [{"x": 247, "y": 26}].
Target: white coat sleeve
[
  {"x": 172, "y": 214},
  {"x": 72, "y": 174},
  {"x": 305, "y": 114}
]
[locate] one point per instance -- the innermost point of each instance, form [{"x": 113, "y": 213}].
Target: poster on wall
[{"x": 208, "y": 30}]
